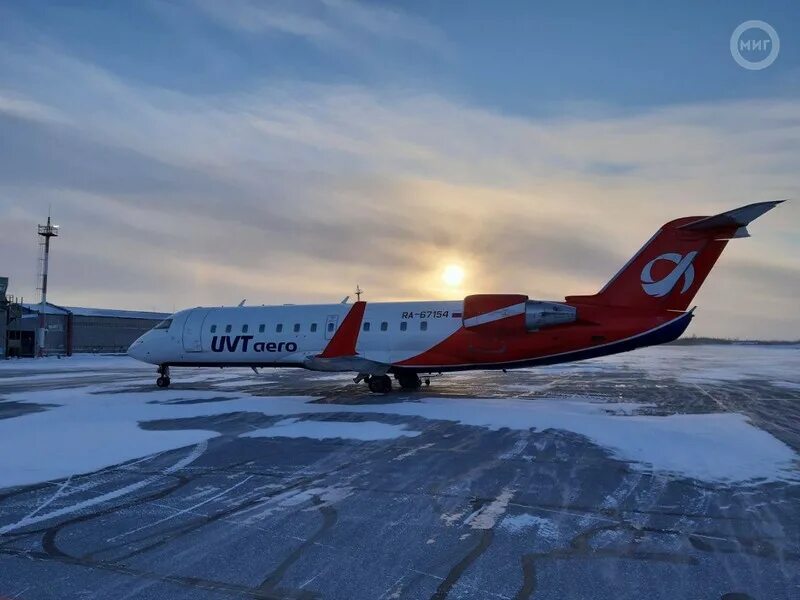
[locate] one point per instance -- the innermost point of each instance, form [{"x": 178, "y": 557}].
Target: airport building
[
  {"x": 71, "y": 329},
  {"x": 67, "y": 329}
]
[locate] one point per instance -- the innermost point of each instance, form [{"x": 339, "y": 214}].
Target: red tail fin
[{"x": 669, "y": 269}]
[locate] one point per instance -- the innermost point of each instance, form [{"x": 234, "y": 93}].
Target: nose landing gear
[{"x": 163, "y": 376}]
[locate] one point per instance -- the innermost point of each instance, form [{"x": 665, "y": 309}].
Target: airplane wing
[{"x": 340, "y": 353}]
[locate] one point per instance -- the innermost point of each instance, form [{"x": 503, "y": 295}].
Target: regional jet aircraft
[{"x": 644, "y": 304}]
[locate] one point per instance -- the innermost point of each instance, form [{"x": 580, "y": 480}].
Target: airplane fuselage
[{"x": 422, "y": 337}]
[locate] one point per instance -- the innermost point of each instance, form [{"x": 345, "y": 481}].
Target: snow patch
[
  {"x": 89, "y": 430},
  {"x": 790, "y": 385},
  {"x": 88, "y": 362},
  {"x": 412, "y": 451},
  {"x": 323, "y": 430},
  {"x": 487, "y": 516},
  {"x": 519, "y": 523}
]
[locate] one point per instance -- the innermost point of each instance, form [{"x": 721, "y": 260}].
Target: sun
[{"x": 453, "y": 275}]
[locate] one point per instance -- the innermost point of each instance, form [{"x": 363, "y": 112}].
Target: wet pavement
[{"x": 402, "y": 503}]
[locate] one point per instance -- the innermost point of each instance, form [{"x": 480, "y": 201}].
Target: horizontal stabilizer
[{"x": 738, "y": 217}]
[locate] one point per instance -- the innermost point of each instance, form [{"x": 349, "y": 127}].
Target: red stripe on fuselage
[{"x": 596, "y": 326}]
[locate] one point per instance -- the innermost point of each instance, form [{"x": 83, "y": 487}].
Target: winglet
[
  {"x": 739, "y": 217},
  {"x": 344, "y": 340}
]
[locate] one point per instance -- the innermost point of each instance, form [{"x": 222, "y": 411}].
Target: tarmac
[{"x": 626, "y": 477}]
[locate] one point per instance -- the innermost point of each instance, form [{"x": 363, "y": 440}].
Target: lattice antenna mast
[{"x": 45, "y": 233}]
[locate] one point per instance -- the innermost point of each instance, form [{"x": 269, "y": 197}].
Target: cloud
[
  {"x": 344, "y": 24},
  {"x": 22, "y": 108},
  {"x": 296, "y": 192}
]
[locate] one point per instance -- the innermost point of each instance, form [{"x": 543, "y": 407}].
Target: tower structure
[{"x": 46, "y": 232}]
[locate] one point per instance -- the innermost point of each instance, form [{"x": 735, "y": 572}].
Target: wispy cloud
[
  {"x": 326, "y": 22},
  {"x": 24, "y": 108},
  {"x": 296, "y": 192}
]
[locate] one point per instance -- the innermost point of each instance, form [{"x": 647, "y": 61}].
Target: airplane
[{"x": 644, "y": 304}]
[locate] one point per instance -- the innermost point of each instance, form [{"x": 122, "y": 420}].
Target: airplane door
[
  {"x": 193, "y": 329},
  {"x": 330, "y": 326}
]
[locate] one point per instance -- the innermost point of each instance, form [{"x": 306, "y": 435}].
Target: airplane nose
[{"x": 138, "y": 350}]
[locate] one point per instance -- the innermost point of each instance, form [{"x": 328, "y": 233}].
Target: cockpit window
[{"x": 164, "y": 324}]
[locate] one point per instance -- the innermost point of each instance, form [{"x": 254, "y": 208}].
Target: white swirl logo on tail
[{"x": 662, "y": 287}]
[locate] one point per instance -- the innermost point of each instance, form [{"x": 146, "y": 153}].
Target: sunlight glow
[{"x": 453, "y": 275}]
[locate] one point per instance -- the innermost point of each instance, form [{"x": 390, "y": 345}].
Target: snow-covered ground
[
  {"x": 700, "y": 363},
  {"x": 676, "y": 466},
  {"x": 86, "y": 428},
  {"x": 78, "y": 364}
]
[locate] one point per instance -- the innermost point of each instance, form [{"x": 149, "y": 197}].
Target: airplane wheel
[
  {"x": 162, "y": 382},
  {"x": 427, "y": 381},
  {"x": 409, "y": 382},
  {"x": 380, "y": 384}
]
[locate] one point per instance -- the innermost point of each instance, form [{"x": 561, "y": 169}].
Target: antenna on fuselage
[{"x": 359, "y": 291}]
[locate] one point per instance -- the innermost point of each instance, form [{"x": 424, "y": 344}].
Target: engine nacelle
[
  {"x": 540, "y": 314},
  {"x": 499, "y": 314}
]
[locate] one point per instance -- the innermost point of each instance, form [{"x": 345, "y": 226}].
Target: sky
[{"x": 197, "y": 152}]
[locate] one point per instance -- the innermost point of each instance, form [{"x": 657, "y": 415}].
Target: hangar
[{"x": 72, "y": 329}]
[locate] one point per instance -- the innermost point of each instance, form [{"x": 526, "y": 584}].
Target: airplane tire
[
  {"x": 380, "y": 384},
  {"x": 162, "y": 382},
  {"x": 409, "y": 382}
]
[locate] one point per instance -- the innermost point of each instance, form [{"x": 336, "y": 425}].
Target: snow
[
  {"x": 37, "y": 516},
  {"x": 82, "y": 311},
  {"x": 524, "y": 522},
  {"x": 789, "y": 385},
  {"x": 325, "y": 496},
  {"x": 700, "y": 364},
  {"x": 89, "y": 428},
  {"x": 79, "y": 363},
  {"x": 487, "y": 516},
  {"x": 321, "y": 430},
  {"x": 723, "y": 447}
]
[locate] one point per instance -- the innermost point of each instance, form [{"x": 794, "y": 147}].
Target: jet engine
[
  {"x": 540, "y": 314},
  {"x": 498, "y": 313}
]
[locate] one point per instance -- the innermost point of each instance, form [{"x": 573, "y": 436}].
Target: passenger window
[
  {"x": 213, "y": 329},
  {"x": 330, "y": 327},
  {"x": 296, "y": 327},
  {"x": 261, "y": 328},
  {"x": 423, "y": 326},
  {"x": 278, "y": 327},
  {"x": 384, "y": 326},
  {"x": 403, "y": 325},
  {"x": 227, "y": 328},
  {"x": 366, "y": 326},
  {"x": 245, "y": 328},
  {"x": 313, "y": 327}
]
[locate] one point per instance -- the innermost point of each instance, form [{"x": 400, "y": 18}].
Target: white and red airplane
[{"x": 644, "y": 304}]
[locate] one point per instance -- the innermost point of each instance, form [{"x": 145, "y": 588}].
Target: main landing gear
[
  {"x": 409, "y": 381},
  {"x": 382, "y": 384},
  {"x": 163, "y": 376}
]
